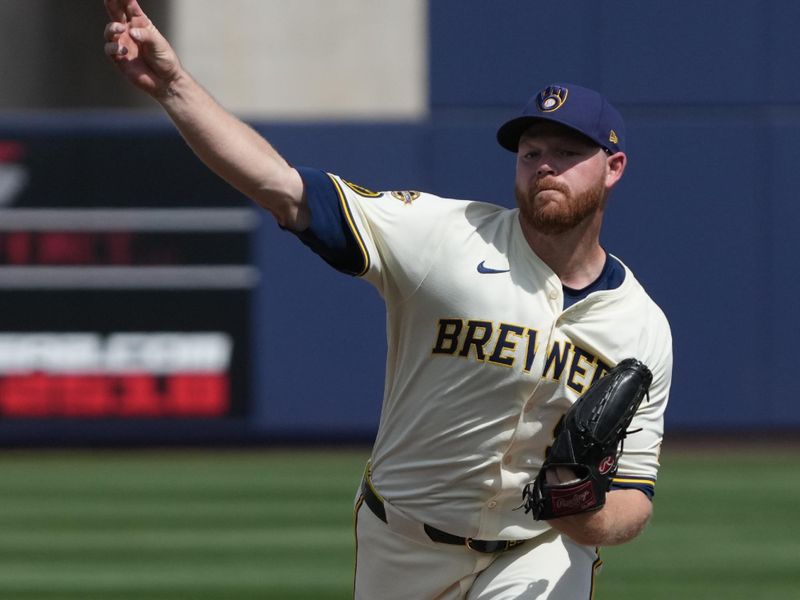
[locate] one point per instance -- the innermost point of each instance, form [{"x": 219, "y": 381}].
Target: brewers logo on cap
[{"x": 551, "y": 98}]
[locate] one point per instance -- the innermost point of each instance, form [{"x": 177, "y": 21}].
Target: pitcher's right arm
[{"x": 228, "y": 146}]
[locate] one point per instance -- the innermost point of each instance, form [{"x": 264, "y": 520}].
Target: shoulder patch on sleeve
[{"x": 406, "y": 197}]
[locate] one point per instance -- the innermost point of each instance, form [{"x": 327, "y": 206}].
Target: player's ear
[{"x": 616, "y": 167}]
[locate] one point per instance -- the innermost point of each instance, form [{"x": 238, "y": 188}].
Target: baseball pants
[{"x": 400, "y": 562}]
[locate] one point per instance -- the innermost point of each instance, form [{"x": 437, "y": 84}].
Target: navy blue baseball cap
[{"x": 578, "y": 108}]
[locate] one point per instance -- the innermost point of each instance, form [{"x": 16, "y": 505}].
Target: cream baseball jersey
[{"x": 483, "y": 358}]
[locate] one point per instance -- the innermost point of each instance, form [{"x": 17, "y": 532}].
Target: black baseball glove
[{"x": 578, "y": 467}]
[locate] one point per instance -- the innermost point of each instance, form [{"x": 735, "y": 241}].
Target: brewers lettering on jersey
[{"x": 497, "y": 320}]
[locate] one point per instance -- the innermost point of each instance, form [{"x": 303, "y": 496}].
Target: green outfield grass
[
  {"x": 230, "y": 525},
  {"x": 725, "y": 527}
]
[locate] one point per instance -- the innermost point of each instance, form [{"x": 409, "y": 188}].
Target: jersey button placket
[{"x": 555, "y": 303}]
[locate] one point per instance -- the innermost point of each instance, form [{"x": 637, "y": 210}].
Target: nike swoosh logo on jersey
[{"x": 482, "y": 268}]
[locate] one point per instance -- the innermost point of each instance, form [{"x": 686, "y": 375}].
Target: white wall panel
[{"x": 308, "y": 59}]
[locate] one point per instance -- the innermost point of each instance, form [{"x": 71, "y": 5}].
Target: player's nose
[{"x": 545, "y": 168}]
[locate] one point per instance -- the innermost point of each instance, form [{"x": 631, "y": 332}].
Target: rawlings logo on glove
[{"x": 587, "y": 444}]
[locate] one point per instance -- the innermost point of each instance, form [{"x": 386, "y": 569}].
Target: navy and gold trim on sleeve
[
  {"x": 332, "y": 233},
  {"x": 361, "y": 190},
  {"x": 351, "y": 224},
  {"x": 644, "y": 484}
]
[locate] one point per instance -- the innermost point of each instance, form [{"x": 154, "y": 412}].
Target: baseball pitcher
[{"x": 527, "y": 369}]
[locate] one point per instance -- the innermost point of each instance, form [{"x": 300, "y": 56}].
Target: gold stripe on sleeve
[
  {"x": 352, "y": 224},
  {"x": 649, "y": 482}
]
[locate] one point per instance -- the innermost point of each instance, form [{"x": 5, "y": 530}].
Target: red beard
[{"x": 554, "y": 217}]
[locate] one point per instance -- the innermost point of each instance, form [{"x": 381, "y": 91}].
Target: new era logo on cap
[{"x": 576, "y": 107}]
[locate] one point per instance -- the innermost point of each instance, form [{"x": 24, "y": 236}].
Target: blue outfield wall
[
  {"x": 707, "y": 237},
  {"x": 711, "y": 235},
  {"x": 706, "y": 215}
]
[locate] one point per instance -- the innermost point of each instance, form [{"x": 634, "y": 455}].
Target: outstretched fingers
[
  {"x": 132, "y": 9},
  {"x": 113, "y": 47},
  {"x": 123, "y": 10},
  {"x": 129, "y": 27},
  {"x": 126, "y": 12},
  {"x": 115, "y": 11},
  {"x": 113, "y": 31},
  {"x": 138, "y": 49}
]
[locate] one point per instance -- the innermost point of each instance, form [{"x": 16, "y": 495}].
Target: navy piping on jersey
[
  {"x": 332, "y": 233},
  {"x": 610, "y": 278}
]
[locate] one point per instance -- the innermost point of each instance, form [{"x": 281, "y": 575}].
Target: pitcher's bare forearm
[
  {"x": 236, "y": 152},
  {"x": 229, "y": 147},
  {"x": 623, "y": 517}
]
